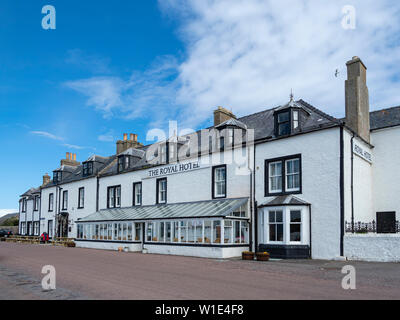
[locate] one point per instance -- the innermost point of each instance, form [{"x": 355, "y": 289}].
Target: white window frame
[
  {"x": 137, "y": 194},
  {"x": 295, "y": 119},
  {"x": 270, "y": 176},
  {"x": 291, "y": 174},
  {"x": 290, "y": 210},
  {"x": 81, "y": 198},
  {"x": 217, "y": 181},
  {"x": 162, "y": 192},
  {"x": 275, "y": 210}
]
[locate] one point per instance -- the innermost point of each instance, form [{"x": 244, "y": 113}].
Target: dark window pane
[
  {"x": 272, "y": 216},
  {"x": 295, "y": 216},
  {"x": 284, "y": 129},
  {"x": 283, "y": 117},
  {"x": 272, "y": 235},
  {"x": 295, "y": 232},
  {"x": 279, "y": 216},
  {"x": 279, "y": 232}
]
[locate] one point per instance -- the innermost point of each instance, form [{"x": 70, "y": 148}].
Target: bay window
[
  {"x": 275, "y": 225},
  {"x": 295, "y": 225},
  {"x": 283, "y": 176}
]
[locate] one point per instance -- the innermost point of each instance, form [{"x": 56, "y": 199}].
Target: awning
[{"x": 199, "y": 209}]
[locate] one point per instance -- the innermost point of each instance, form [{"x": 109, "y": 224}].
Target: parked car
[{"x": 4, "y": 233}]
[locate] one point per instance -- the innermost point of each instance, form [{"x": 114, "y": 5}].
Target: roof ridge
[
  {"x": 322, "y": 113},
  {"x": 389, "y": 108}
]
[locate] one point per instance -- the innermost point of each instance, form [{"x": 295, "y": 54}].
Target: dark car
[{"x": 5, "y": 233}]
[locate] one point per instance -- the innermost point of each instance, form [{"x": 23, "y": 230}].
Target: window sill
[{"x": 286, "y": 193}]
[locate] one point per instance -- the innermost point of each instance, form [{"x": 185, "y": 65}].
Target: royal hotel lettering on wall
[
  {"x": 175, "y": 168},
  {"x": 362, "y": 153}
]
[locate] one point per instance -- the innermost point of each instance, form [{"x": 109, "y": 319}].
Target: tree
[{"x": 14, "y": 221}]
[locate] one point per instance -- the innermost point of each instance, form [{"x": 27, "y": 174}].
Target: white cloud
[
  {"x": 92, "y": 63},
  {"x": 247, "y": 54},
  {"x": 3, "y": 212},
  {"x": 47, "y": 135}
]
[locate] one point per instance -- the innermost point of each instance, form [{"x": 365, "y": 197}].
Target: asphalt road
[{"x": 99, "y": 274}]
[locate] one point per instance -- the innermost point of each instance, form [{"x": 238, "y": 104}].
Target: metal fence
[{"x": 366, "y": 227}]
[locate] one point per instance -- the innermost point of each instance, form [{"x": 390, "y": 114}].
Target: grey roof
[
  {"x": 211, "y": 208},
  {"x": 288, "y": 200},
  {"x": 31, "y": 192},
  {"x": 385, "y": 118},
  {"x": 232, "y": 122},
  {"x": 263, "y": 122}
]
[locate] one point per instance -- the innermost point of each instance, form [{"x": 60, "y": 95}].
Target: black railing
[{"x": 365, "y": 227}]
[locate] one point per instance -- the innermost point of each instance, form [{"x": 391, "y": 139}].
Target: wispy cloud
[
  {"x": 90, "y": 62},
  {"x": 248, "y": 54},
  {"x": 47, "y": 135},
  {"x": 107, "y": 137}
]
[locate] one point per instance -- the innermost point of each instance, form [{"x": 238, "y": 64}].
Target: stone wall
[{"x": 372, "y": 247}]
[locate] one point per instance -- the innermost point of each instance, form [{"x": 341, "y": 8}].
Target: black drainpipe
[
  {"x": 254, "y": 201},
  {"x": 97, "y": 193},
  {"x": 341, "y": 191},
  {"x": 309, "y": 209}
]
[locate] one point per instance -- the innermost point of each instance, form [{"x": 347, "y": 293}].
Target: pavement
[{"x": 100, "y": 274}]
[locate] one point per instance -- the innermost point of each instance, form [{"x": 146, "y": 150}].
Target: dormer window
[
  {"x": 295, "y": 119},
  {"x": 87, "y": 168},
  {"x": 123, "y": 163},
  {"x": 282, "y": 123},
  {"x": 163, "y": 153},
  {"x": 57, "y": 175}
]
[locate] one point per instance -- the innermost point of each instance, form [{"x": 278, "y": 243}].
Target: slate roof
[
  {"x": 262, "y": 122},
  {"x": 209, "y": 208},
  {"x": 31, "y": 192},
  {"x": 288, "y": 200},
  {"x": 385, "y": 118}
]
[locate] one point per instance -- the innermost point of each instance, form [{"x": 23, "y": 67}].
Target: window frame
[
  {"x": 284, "y": 191},
  {"x": 79, "y": 198},
  {"x": 290, "y": 223},
  {"x": 134, "y": 203},
  {"x": 213, "y": 189},
  {"x": 277, "y": 123},
  {"x": 36, "y": 203},
  {"x": 65, "y": 200},
  {"x": 23, "y": 204},
  {"x": 114, "y": 196},
  {"x": 87, "y": 168},
  {"x": 158, "y": 181},
  {"x": 51, "y": 202}
]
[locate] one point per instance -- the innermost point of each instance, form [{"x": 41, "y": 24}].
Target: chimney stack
[
  {"x": 221, "y": 115},
  {"x": 46, "y": 179},
  {"x": 70, "y": 160},
  {"x": 357, "y": 98},
  {"x": 125, "y": 144}
]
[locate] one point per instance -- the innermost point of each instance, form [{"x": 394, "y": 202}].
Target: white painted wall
[
  {"x": 196, "y": 251},
  {"x": 386, "y": 172},
  {"x": 320, "y": 152},
  {"x": 372, "y": 247},
  {"x": 132, "y": 247}
]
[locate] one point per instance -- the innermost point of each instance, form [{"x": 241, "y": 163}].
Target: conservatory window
[
  {"x": 216, "y": 236},
  {"x": 228, "y": 231},
  {"x": 138, "y": 232}
]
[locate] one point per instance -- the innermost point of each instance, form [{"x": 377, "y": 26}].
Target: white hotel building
[{"x": 290, "y": 180}]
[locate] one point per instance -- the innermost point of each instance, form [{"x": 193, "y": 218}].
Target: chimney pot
[
  {"x": 221, "y": 115},
  {"x": 125, "y": 136},
  {"x": 67, "y": 156}
]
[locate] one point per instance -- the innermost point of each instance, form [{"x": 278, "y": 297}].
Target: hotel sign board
[
  {"x": 362, "y": 153},
  {"x": 174, "y": 168}
]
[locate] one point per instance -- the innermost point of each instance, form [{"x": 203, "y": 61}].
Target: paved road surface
[{"x": 98, "y": 274}]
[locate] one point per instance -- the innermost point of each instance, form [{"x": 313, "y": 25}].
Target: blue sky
[{"x": 129, "y": 66}]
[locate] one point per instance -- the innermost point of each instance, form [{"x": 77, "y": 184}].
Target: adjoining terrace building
[{"x": 290, "y": 180}]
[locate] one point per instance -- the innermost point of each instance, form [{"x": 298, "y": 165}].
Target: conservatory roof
[{"x": 198, "y": 209}]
